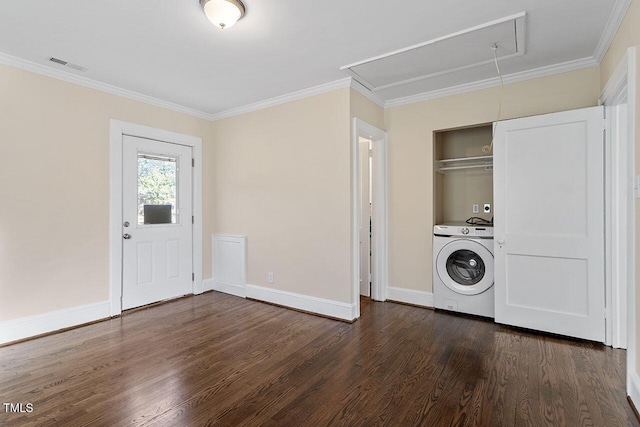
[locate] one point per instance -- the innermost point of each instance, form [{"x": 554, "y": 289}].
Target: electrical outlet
[
  {"x": 270, "y": 279},
  {"x": 487, "y": 208},
  {"x": 476, "y": 208}
]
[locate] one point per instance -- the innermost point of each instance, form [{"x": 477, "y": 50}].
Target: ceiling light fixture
[{"x": 223, "y": 13}]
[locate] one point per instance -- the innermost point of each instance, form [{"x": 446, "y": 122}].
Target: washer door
[{"x": 465, "y": 267}]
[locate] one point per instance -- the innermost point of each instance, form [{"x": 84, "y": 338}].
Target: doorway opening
[
  {"x": 366, "y": 198},
  {"x": 369, "y": 208}
]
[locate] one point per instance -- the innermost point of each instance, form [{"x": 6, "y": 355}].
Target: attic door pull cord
[{"x": 487, "y": 148}]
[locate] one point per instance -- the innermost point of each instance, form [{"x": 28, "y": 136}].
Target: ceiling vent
[
  {"x": 454, "y": 52},
  {"x": 67, "y": 64}
]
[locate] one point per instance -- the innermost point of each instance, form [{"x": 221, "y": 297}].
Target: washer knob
[{"x": 464, "y": 230}]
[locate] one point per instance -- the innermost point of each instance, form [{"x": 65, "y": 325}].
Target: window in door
[{"x": 157, "y": 189}]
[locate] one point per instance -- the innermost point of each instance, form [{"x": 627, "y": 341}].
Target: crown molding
[
  {"x": 282, "y": 99},
  {"x": 94, "y": 84},
  {"x": 549, "y": 70},
  {"x": 613, "y": 24}
]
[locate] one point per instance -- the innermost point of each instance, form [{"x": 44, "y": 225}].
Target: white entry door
[
  {"x": 365, "y": 218},
  {"x": 157, "y": 221},
  {"x": 549, "y": 223}
]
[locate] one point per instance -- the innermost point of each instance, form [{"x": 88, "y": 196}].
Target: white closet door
[{"x": 549, "y": 223}]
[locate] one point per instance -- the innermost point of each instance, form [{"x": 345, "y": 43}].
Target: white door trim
[
  {"x": 379, "y": 258},
  {"x": 619, "y": 209},
  {"x": 621, "y": 87},
  {"x": 117, "y": 130}
]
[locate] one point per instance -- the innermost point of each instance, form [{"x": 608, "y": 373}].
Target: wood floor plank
[{"x": 220, "y": 360}]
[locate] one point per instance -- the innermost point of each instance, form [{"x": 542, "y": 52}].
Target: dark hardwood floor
[{"x": 215, "y": 359}]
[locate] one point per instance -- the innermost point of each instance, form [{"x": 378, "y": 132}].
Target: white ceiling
[{"x": 168, "y": 50}]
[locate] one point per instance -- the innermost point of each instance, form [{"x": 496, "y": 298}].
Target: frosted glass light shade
[{"x": 223, "y": 13}]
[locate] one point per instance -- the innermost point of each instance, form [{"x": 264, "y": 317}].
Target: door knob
[{"x": 126, "y": 236}]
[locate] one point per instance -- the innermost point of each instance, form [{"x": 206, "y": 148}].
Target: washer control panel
[
  {"x": 463, "y": 230},
  {"x": 483, "y": 231}
]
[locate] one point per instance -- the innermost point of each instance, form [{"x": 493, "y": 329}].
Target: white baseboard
[
  {"x": 410, "y": 296},
  {"x": 25, "y": 327},
  {"x": 207, "y": 285},
  {"x": 633, "y": 388},
  {"x": 230, "y": 288},
  {"x": 324, "y": 307}
]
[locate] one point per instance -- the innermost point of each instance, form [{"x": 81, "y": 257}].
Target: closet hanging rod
[
  {"x": 451, "y": 168},
  {"x": 465, "y": 159}
]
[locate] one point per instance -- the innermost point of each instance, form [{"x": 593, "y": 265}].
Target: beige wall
[
  {"x": 54, "y": 225},
  {"x": 282, "y": 178},
  {"x": 629, "y": 35},
  {"x": 365, "y": 109},
  {"x": 410, "y": 129}
]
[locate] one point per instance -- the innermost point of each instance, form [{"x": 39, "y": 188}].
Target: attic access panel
[{"x": 458, "y": 51}]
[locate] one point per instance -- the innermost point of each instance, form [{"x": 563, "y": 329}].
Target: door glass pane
[
  {"x": 157, "y": 189},
  {"x": 465, "y": 267}
]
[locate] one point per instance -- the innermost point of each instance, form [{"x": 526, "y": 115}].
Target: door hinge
[
  {"x": 193, "y": 277},
  {"x": 193, "y": 163},
  {"x": 193, "y": 219}
]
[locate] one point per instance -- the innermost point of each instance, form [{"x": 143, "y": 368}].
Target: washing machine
[{"x": 463, "y": 268}]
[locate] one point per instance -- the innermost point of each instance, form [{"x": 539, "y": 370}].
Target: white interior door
[
  {"x": 365, "y": 218},
  {"x": 157, "y": 221},
  {"x": 549, "y": 223}
]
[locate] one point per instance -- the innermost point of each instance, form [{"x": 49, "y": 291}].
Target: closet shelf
[{"x": 485, "y": 162}]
